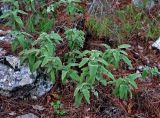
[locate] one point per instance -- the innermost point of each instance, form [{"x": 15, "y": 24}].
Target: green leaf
[
  {"x": 133, "y": 83},
  {"x": 108, "y": 73},
  {"x": 32, "y": 51},
  {"x": 106, "y": 46},
  {"x": 64, "y": 74},
  {"x": 7, "y": 14},
  {"x": 123, "y": 93},
  {"x": 21, "y": 12},
  {"x": 92, "y": 72},
  {"x": 74, "y": 76},
  {"x": 154, "y": 71},
  {"x": 30, "y": 24},
  {"x": 78, "y": 99},
  {"x": 123, "y": 52},
  {"x": 14, "y": 45},
  {"x": 133, "y": 76},
  {"x": 103, "y": 61},
  {"x": 50, "y": 49},
  {"x": 86, "y": 94},
  {"x": 49, "y": 69},
  {"x": 36, "y": 65},
  {"x": 95, "y": 93},
  {"x": 144, "y": 74},
  {"x": 126, "y": 60},
  {"x": 52, "y": 75},
  {"x": 18, "y": 20},
  {"x": 103, "y": 82},
  {"x": 124, "y": 46},
  {"x": 116, "y": 55},
  {"x": 46, "y": 25},
  {"x": 83, "y": 62},
  {"x": 23, "y": 42},
  {"x": 31, "y": 59},
  {"x": 44, "y": 62}
]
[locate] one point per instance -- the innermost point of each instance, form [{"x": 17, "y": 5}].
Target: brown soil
[{"x": 146, "y": 99}]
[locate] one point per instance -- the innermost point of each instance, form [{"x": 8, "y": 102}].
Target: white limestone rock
[{"x": 156, "y": 44}]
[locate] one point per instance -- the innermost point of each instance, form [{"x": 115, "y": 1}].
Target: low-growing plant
[
  {"x": 20, "y": 40},
  {"x": 12, "y": 15},
  {"x": 92, "y": 67},
  {"x": 148, "y": 71},
  {"x": 115, "y": 56},
  {"x": 86, "y": 69},
  {"x": 44, "y": 57},
  {"x": 75, "y": 38},
  {"x": 57, "y": 108},
  {"x": 125, "y": 85},
  {"x": 72, "y": 6}
]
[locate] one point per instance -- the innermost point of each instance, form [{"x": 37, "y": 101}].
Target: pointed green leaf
[
  {"x": 124, "y": 46},
  {"x": 52, "y": 75},
  {"x": 64, "y": 74},
  {"x": 126, "y": 60},
  {"x": 92, "y": 72},
  {"x": 83, "y": 62},
  {"x": 78, "y": 99},
  {"x": 108, "y": 73},
  {"x": 74, "y": 76},
  {"x": 36, "y": 66},
  {"x": 86, "y": 94},
  {"x": 44, "y": 62}
]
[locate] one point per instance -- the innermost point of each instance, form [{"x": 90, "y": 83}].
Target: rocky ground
[{"x": 23, "y": 95}]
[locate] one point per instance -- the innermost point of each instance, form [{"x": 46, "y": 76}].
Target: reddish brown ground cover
[{"x": 146, "y": 99}]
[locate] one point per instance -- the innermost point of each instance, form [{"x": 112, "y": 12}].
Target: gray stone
[
  {"x": 13, "y": 61},
  {"x": 30, "y": 115},
  {"x": 6, "y": 36},
  {"x": 156, "y": 44},
  {"x": 2, "y": 52},
  {"x": 41, "y": 88},
  {"x": 3, "y": 33},
  {"x": 3, "y": 9},
  {"x": 12, "y": 113},
  {"x": 16, "y": 78},
  {"x": 38, "y": 107},
  {"x": 10, "y": 80}
]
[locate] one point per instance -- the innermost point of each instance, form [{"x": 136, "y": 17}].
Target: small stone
[
  {"x": 37, "y": 107},
  {"x": 87, "y": 117},
  {"x": 14, "y": 61},
  {"x": 140, "y": 47},
  {"x": 2, "y": 52},
  {"x": 30, "y": 115},
  {"x": 136, "y": 55},
  {"x": 88, "y": 109},
  {"x": 42, "y": 87},
  {"x": 156, "y": 44},
  {"x": 140, "y": 68},
  {"x": 131, "y": 68},
  {"x": 3, "y": 33},
  {"x": 12, "y": 113},
  {"x": 25, "y": 81}
]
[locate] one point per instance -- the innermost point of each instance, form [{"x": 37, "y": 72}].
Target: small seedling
[{"x": 57, "y": 108}]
